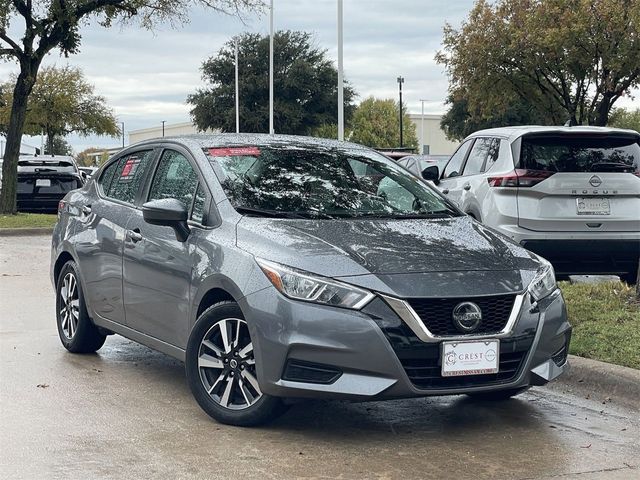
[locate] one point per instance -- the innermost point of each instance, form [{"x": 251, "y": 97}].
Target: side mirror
[
  {"x": 432, "y": 173},
  {"x": 168, "y": 212}
]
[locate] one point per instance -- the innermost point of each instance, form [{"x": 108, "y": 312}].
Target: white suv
[{"x": 570, "y": 194}]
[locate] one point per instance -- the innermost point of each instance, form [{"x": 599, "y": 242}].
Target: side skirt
[{"x": 142, "y": 338}]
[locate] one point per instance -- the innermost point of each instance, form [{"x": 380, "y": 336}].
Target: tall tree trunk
[
  {"x": 50, "y": 138},
  {"x": 601, "y": 116},
  {"x": 24, "y": 85}
]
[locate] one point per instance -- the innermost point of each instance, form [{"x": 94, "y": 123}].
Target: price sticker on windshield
[{"x": 234, "y": 151}]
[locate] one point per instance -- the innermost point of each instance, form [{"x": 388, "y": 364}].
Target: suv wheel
[
  {"x": 221, "y": 369},
  {"x": 77, "y": 332}
]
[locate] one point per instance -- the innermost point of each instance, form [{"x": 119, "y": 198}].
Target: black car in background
[
  {"x": 44, "y": 181},
  {"x": 417, "y": 164}
]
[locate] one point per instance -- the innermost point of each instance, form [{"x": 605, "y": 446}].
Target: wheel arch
[
  {"x": 62, "y": 259},
  {"x": 213, "y": 290}
]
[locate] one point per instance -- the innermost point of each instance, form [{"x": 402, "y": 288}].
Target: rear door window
[
  {"x": 494, "y": 151},
  {"x": 580, "y": 153},
  {"x": 128, "y": 176},
  {"x": 106, "y": 178},
  {"x": 477, "y": 156},
  {"x": 454, "y": 167}
]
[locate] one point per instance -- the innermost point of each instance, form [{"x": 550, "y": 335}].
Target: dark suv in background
[{"x": 44, "y": 180}]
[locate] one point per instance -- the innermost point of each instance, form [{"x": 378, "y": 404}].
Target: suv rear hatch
[
  {"x": 579, "y": 182},
  {"x": 42, "y": 191}
]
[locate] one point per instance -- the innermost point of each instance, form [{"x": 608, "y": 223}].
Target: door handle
[
  {"x": 134, "y": 235},
  {"x": 86, "y": 210},
  {"x": 445, "y": 191},
  {"x": 467, "y": 187}
]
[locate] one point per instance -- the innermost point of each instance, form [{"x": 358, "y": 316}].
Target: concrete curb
[
  {"x": 600, "y": 381},
  {"x": 17, "y": 232}
]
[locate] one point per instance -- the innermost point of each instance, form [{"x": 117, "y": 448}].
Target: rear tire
[
  {"x": 77, "y": 332},
  {"x": 221, "y": 370},
  {"x": 498, "y": 395}
]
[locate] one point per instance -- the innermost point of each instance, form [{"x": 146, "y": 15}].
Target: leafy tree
[
  {"x": 376, "y": 124},
  {"x": 62, "y": 102},
  {"x": 85, "y": 158},
  {"x": 59, "y": 146},
  {"x": 329, "y": 130},
  {"x": 460, "y": 121},
  {"x": 621, "y": 118},
  {"x": 305, "y": 86},
  {"x": 30, "y": 30},
  {"x": 561, "y": 59}
]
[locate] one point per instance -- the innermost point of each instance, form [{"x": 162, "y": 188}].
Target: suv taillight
[{"x": 519, "y": 178}]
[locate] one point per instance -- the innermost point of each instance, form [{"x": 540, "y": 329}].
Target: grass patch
[
  {"x": 606, "y": 322},
  {"x": 28, "y": 220}
]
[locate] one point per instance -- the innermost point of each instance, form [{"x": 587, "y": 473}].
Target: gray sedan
[{"x": 284, "y": 267}]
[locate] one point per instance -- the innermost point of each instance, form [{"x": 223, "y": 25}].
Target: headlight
[
  {"x": 310, "y": 288},
  {"x": 544, "y": 283}
]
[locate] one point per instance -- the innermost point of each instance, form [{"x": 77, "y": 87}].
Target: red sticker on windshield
[{"x": 233, "y": 151}]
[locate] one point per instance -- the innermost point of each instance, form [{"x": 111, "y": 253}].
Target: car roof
[
  {"x": 513, "y": 133},
  {"x": 253, "y": 139}
]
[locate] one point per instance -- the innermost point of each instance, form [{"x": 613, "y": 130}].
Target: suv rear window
[
  {"x": 44, "y": 163},
  {"x": 573, "y": 153}
]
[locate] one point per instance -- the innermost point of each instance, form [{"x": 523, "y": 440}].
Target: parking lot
[{"x": 127, "y": 413}]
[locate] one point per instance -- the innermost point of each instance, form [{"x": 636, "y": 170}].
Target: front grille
[
  {"x": 422, "y": 361},
  {"x": 437, "y": 313},
  {"x": 425, "y": 373}
]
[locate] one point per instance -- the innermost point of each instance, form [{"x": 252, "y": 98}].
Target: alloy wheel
[
  {"x": 69, "y": 312},
  {"x": 227, "y": 366}
]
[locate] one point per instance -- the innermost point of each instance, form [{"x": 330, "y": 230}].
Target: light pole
[
  {"x": 163, "y": 121},
  {"x": 422, "y": 127},
  {"x": 340, "y": 76},
  {"x": 237, "y": 93},
  {"x": 122, "y": 123},
  {"x": 400, "y": 82},
  {"x": 271, "y": 129}
]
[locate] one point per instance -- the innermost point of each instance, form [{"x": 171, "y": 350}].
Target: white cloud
[{"x": 146, "y": 76}]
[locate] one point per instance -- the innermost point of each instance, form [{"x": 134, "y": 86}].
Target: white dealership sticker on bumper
[{"x": 478, "y": 357}]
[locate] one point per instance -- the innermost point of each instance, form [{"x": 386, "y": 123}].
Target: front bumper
[{"x": 372, "y": 350}]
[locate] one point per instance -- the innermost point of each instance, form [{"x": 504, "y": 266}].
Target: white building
[
  {"x": 25, "y": 148},
  {"x": 431, "y": 137},
  {"x": 170, "y": 130}
]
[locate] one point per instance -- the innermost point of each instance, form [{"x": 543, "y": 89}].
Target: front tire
[
  {"x": 221, "y": 369},
  {"x": 77, "y": 332}
]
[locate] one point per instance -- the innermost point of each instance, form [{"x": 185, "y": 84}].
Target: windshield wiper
[
  {"x": 264, "y": 212},
  {"x": 443, "y": 214},
  {"x": 260, "y": 212}
]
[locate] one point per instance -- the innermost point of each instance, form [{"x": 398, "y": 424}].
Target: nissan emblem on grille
[{"x": 467, "y": 317}]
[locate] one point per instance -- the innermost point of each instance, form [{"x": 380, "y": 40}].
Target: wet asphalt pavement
[{"x": 127, "y": 413}]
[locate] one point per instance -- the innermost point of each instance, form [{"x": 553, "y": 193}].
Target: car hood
[{"x": 388, "y": 250}]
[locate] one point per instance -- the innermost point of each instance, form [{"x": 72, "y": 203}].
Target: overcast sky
[{"x": 146, "y": 76}]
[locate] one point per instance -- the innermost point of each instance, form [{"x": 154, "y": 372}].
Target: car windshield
[
  {"x": 322, "y": 182},
  {"x": 581, "y": 153}
]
